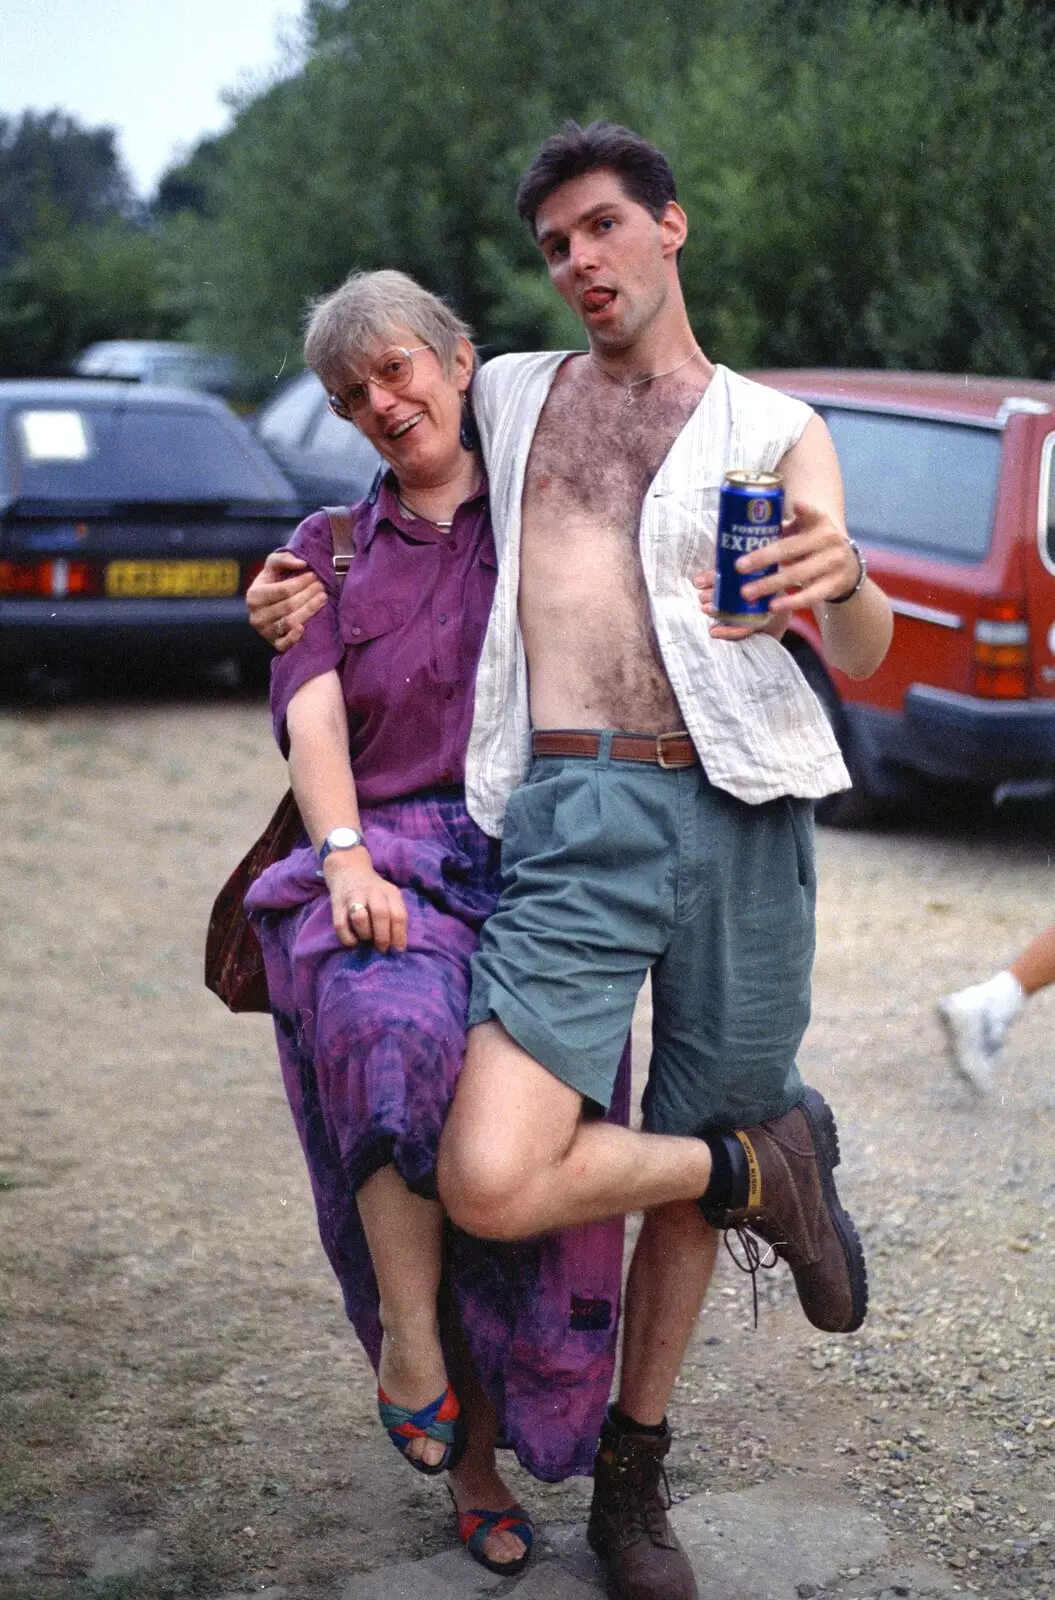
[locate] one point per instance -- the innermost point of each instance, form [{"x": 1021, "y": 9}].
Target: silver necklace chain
[
  {"x": 652, "y": 377},
  {"x": 408, "y": 511}
]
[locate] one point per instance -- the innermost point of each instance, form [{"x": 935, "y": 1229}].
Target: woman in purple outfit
[{"x": 368, "y": 926}]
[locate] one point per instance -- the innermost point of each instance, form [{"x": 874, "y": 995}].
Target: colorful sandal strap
[
  {"x": 437, "y": 1420},
  {"x": 476, "y": 1527}
]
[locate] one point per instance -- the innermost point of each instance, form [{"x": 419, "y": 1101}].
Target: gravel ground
[{"x": 181, "y": 1407}]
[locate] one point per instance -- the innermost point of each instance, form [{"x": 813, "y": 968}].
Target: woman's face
[{"x": 417, "y": 428}]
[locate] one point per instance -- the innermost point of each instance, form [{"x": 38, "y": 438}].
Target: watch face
[{"x": 343, "y": 838}]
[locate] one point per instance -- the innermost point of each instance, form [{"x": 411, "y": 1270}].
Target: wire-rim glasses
[{"x": 392, "y": 371}]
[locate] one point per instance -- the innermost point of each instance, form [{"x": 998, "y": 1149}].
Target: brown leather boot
[
  {"x": 783, "y": 1190},
  {"x": 628, "y": 1529}
]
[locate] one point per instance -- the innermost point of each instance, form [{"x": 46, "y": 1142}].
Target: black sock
[
  {"x": 719, "y": 1192},
  {"x": 622, "y": 1422}
]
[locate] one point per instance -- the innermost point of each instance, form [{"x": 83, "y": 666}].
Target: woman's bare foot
[
  {"x": 412, "y": 1373},
  {"x": 476, "y": 1486}
]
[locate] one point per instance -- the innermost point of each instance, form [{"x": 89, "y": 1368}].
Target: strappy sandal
[
  {"x": 441, "y": 1420},
  {"x": 476, "y": 1527}
]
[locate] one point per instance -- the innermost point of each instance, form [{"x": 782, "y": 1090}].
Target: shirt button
[
  {"x": 452, "y": 544},
  {"x": 450, "y": 694},
  {"x": 356, "y": 632},
  {"x": 442, "y": 617}
]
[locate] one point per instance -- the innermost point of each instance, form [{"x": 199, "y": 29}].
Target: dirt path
[{"x": 178, "y": 1391}]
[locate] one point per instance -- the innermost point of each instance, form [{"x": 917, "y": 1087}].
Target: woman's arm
[{"x": 365, "y": 905}]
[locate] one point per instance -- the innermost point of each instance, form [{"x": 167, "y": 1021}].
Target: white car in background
[{"x": 166, "y": 364}]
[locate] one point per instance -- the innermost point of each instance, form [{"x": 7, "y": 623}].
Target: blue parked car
[{"x": 132, "y": 520}]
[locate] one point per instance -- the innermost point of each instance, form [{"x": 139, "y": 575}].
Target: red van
[{"x": 950, "y": 494}]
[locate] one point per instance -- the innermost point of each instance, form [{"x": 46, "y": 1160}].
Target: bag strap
[{"x": 342, "y": 532}]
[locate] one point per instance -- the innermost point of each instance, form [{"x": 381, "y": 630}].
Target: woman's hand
[
  {"x": 704, "y": 582},
  {"x": 280, "y": 604},
  {"x": 365, "y": 905}
]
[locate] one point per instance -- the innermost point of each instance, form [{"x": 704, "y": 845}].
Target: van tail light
[
  {"x": 56, "y": 579},
  {"x": 1000, "y": 653}
]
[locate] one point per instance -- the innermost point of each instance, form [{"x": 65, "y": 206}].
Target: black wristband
[{"x": 862, "y": 573}]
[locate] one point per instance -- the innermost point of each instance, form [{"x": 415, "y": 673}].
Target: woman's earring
[{"x": 467, "y": 433}]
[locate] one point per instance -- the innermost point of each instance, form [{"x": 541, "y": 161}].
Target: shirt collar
[{"x": 384, "y": 507}]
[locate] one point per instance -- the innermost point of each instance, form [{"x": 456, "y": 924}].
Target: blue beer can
[{"x": 750, "y": 511}]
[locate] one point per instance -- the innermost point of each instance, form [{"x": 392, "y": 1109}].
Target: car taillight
[
  {"x": 1000, "y": 653},
  {"x": 54, "y": 579}
]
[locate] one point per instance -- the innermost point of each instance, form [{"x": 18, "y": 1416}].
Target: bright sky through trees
[{"x": 153, "y": 69}]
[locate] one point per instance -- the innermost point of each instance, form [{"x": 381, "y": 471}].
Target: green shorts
[{"x": 612, "y": 869}]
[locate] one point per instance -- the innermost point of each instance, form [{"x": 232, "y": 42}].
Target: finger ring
[
  {"x": 280, "y": 627},
  {"x": 355, "y": 906}
]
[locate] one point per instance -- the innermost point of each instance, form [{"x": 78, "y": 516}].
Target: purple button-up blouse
[{"x": 405, "y": 631}]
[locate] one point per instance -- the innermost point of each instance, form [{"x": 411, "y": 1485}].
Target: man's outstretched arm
[{"x": 817, "y": 562}]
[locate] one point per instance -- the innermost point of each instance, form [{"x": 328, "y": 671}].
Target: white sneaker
[{"x": 975, "y": 1030}]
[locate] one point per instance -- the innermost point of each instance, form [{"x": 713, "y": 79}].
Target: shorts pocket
[{"x": 800, "y": 815}]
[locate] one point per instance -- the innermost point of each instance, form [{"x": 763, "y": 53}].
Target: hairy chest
[{"x": 593, "y": 457}]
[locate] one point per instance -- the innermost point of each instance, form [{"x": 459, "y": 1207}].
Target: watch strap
[
  {"x": 327, "y": 844},
  {"x": 862, "y": 573}
]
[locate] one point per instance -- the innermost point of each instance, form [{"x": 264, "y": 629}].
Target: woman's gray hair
[{"x": 371, "y": 309}]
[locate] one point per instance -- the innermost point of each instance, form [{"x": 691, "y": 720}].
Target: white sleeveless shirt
[{"x": 757, "y": 726}]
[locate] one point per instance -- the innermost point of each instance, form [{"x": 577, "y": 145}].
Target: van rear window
[{"x": 919, "y": 485}]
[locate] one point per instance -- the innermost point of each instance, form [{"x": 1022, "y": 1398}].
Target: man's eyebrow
[{"x": 545, "y": 234}]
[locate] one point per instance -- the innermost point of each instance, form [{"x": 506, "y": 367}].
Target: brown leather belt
[{"x": 662, "y": 749}]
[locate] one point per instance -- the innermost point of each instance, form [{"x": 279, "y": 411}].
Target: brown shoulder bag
[{"x": 234, "y": 961}]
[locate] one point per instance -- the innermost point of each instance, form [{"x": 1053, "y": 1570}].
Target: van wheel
[{"x": 853, "y": 807}]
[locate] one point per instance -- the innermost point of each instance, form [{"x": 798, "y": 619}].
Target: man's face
[{"x": 609, "y": 258}]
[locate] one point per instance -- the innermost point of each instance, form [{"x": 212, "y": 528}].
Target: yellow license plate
[{"x": 170, "y": 579}]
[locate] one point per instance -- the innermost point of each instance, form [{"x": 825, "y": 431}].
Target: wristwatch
[
  {"x": 339, "y": 839},
  {"x": 862, "y": 573}
]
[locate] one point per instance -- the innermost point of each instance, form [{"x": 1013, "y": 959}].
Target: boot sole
[{"x": 818, "y": 1114}]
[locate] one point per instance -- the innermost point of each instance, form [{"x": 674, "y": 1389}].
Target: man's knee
[
  {"x": 509, "y": 1125},
  {"x": 481, "y": 1183}
]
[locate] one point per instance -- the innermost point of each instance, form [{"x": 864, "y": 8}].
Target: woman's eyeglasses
[{"x": 392, "y": 371}]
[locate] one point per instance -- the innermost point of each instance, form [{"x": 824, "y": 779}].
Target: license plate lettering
[{"x": 142, "y": 580}]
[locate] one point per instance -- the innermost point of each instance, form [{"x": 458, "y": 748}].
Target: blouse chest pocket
[{"x": 363, "y": 621}]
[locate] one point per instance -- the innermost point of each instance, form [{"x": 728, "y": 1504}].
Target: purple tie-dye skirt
[{"x": 370, "y": 1048}]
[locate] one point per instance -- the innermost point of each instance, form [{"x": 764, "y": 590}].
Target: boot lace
[
  {"x": 754, "y": 1261},
  {"x": 643, "y": 1506}
]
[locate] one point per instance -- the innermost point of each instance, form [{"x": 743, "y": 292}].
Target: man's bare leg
[
  {"x": 516, "y": 1158},
  {"x": 628, "y": 1527},
  {"x": 670, "y": 1270}
]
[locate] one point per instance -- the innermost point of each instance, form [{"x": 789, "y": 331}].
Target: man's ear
[{"x": 674, "y": 227}]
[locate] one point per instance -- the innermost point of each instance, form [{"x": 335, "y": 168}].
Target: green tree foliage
[
  {"x": 866, "y": 183},
  {"x": 73, "y": 285},
  {"x": 399, "y": 144},
  {"x": 876, "y": 197},
  {"x": 76, "y": 263},
  {"x": 49, "y": 162}
]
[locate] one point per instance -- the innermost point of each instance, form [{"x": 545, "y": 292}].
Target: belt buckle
[{"x": 668, "y": 766}]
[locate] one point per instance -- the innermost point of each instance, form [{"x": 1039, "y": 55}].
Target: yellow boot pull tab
[{"x": 754, "y": 1180}]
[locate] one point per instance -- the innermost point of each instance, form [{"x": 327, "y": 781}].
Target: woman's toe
[{"x": 504, "y": 1547}]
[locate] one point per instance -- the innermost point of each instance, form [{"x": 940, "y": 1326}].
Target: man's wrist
[{"x": 858, "y": 584}]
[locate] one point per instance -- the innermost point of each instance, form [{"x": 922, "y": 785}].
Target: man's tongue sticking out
[{"x": 597, "y": 299}]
